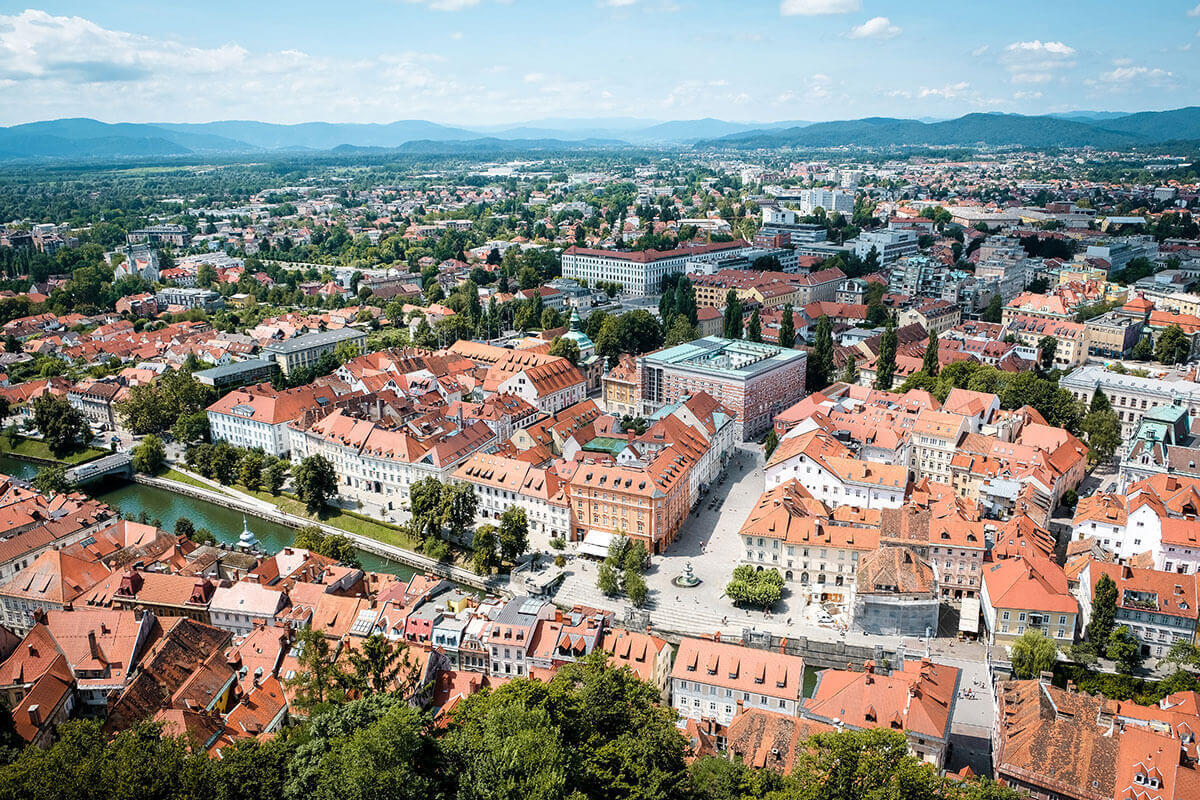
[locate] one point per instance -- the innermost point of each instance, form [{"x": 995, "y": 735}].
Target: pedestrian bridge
[{"x": 104, "y": 467}]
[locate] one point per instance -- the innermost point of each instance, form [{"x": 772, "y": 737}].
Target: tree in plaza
[
  {"x": 608, "y": 341},
  {"x": 1182, "y": 653},
  {"x": 929, "y": 363},
  {"x": 155, "y": 407},
  {"x": 382, "y": 666},
  {"x": 315, "y": 482},
  {"x": 607, "y": 579},
  {"x": 820, "y": 359},
  {"x": 1173, "y": 346},
  {"x": 1104, "y": 612},
  {"x": 635, "y": 588},
  {"x": 1124, "y": 649},
  {"x": 733, "y": 315},
  {"x": 483, "y": 546},
  {"x": 761, "y": 588},
  {"x": 513, "y": 537},
  {"x": 62, "y": 425},
  {"x": 1047, "y": 348},
  {"x": 150, "y": 455},
  {"x": 1032, "y": 654},
  {"x": 885, "y": 364},
  {"x": 754, "y": 329},
  {"x": 458, "y": 509},
  {"x": 787, "y": 327},
  {"x": 425, "y": 503},
  {"x": 51, "y": 480},
  {"x": 634, "y": 556}
]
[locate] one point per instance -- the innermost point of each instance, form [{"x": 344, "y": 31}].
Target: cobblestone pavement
[{"x": 709, "y": 542}]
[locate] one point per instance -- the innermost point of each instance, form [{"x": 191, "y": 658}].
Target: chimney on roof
[
  {"x": 93, "y": 646},
  {"x": 35, "y": 716}
]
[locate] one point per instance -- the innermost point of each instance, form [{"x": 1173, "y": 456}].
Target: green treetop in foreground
[{"x": 593, "y": 732}]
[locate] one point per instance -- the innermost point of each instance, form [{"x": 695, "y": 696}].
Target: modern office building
[
  {"x": 754, "y": 380},
  {"x": 889, "y": 245}
]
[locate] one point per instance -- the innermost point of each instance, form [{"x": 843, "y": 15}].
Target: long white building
[{"x": 641, "y": 272}]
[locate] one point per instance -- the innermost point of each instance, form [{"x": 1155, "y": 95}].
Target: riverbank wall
[{"x": 262, "y": 510}]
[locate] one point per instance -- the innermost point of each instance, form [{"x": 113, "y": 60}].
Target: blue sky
[{"x": 489, "y": 62}]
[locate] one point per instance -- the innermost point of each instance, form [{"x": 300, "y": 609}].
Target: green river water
[{"x": 225, "y": 523}]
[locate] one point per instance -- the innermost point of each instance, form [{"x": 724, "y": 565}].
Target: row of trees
[
  {"x": 437, "y": 507},
  {"x": 1014, "y": 390},
  {"x": 314, "y": 480}
]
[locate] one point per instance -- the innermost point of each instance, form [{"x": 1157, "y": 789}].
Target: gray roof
[
  {"x": 1089, "y": 377},
  {"x": 317, "y": 339},
  {"x": 234, "y": 368}
]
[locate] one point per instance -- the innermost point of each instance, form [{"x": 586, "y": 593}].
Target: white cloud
[
  {"x": 617, "y": 3},
  {"x": 57, "y": 66},
  {"x": 1195, "y": 12},
  {"x": 875, "y": 28},
  {"x": 1146, "y": 75},
  {"x": 978, "y": 51},
  {"x": 535, "y": 77},
  {"x": 445, "y": 5},
  {"x": 1026, "y": 95},
  {"x": 812, "y": 8},
  {"x": 1037, "y": 46},
  {"x": 946, "y": 92},
  {"x": 1037, "y": 61}
]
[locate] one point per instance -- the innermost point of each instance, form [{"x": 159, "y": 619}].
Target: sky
[{"x": 494, "y": 62}]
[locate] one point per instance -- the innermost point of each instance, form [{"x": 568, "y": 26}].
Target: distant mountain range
[
  {"x": 1149, "y": 127},
  {"x": 88, "y": 138}
]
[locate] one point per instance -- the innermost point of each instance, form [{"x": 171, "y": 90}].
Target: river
[{"x": 225, "y": 523}]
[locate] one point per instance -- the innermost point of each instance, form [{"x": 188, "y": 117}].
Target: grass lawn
[
  {"x": 336, "y": 517},
  {"x": 346, "y": 520},
  {"x": 36, "y": 448},
  {"x": 175, "y": 475}
]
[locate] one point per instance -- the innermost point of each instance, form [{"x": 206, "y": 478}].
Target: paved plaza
[{"x": 709, "y": 542}]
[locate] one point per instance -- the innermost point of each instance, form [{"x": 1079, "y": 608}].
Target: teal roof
[{"x": 606, "y": 444}]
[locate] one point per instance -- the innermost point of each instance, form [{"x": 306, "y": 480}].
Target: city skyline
[{"x": 487, "y": 63}]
